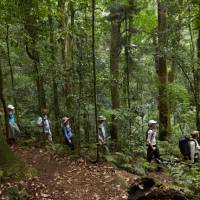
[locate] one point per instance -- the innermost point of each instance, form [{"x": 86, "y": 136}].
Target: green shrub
[
  {"x": 15, "y": 194},
  {"x": 118, "y": 180},
  {"x": 57, "y": 148}
]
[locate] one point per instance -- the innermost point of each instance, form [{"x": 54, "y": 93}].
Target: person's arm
[
  {"x": 39, "y": 122},
  {"x": 197, "y": 145},
  {"x": 192, "y": 150}
]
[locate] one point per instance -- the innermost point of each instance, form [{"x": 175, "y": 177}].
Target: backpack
[{"x": 184, "y": 146}]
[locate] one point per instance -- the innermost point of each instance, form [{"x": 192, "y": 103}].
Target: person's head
[
  {"x": 11, "y": 108},
  {"x": 66, "y": 120},
  {"x": 152, "y": 124},
  {"x": 195, "y": 134},
  {"x": 45, "y": 111},
  {"x": 101, "y": 119}
]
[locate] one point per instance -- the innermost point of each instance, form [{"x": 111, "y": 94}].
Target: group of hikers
[
  {"x": 189, "y": 146},
  {"x": 44, "y": 126}
]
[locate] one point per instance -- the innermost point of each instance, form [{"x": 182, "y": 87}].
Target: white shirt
[
  {"x": 151, "y": 139},
  {"x": 194, "y": 148},
  {"x": 102, "y": 132},
  {"x": 45, "y": 124}
]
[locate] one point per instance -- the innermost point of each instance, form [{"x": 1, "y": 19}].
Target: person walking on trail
[
  {"x": 14, "y": 133},
  {"x": 44, "y": 125},
  {"x": 67, "y": 132},
  {"x": 152, "y": 150},
  {"x": 194, "y": 147},
  {"x": 102, "y": 131}
]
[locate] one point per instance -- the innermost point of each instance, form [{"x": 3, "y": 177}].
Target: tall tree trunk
[
  {"x": 55, "y": 86},
  {"x": 7, "y": 157},
  {"x": 128, "y": 26},
  {"x": 67, "y": 50},
  {"x": 34, "y": 55},
  {"x": 195, "y": 86},
  {"x": 30, "y": 25},
  {"x": 114, "y": 70},
  {"x": 163, "y": 100},
  {"x": 175, "y": 23},
  {"x": 80, "y": 69},
  {"x": 78, "y": 120},
  {"x": 94, "y": 75},
  {"x": 3, "y": 101},
  {"x": 197, "y": 79},
  {"x": 11, "y": 69}
]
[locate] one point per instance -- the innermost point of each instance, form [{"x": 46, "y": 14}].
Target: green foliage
[
  {"x": 118, "y": 158},
  {"x": 1, "y": 173},
  {"x": 186, "y": 177},
  {"x": 18, "y": 171},
  {"x": 59, "y": 149},
  {"x": 128, "y": 167},
  {"x": 138, "y": 169},
  {"x": 170, "y": 149},
  {"x": 118, "y": 180},
  {"x": 179, "y": 97},
  {"x": 146, "y": 22},
  {"x": 63, "y": 57},
  {"x": 14, "y": 193},
  {"x": 134, "y": 164}
]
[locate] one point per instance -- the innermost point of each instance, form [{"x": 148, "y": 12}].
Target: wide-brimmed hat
[
  {"x": 152, "y": 122},
  {"x": 101, "y": 118},
  {"x": 65, "y": 119},
  {"x": 11, "y": 107}
]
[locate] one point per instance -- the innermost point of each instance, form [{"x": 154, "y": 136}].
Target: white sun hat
[
  {"x": 65, "y": 119},
  {"x": 152, "y": 122},
  {"x": 101, "y": 118},
  {"x": 11, "y": 107}
]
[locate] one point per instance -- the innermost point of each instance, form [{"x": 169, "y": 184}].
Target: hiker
[
  {"x": 194, "y": 147},
  {"x": 14, "y": 133},
  {"x": 44, "y": 125},
  {"x": 152, "y": 150},
  {"x": 102, "y": 130},
  {"x": 67, "y": 132}
]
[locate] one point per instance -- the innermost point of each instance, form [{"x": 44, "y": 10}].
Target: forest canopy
[{"x": 146, "y": 57}]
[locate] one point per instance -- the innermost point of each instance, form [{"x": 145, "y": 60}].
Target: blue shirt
[
  {"x": 67, "y": 133},
  {"x": 11, "y": 119}
]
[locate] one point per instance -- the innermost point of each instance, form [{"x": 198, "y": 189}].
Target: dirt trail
[{"x": 63, "y": 179}]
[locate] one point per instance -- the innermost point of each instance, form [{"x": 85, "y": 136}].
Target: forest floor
[{"x": 61, "y": 178}]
